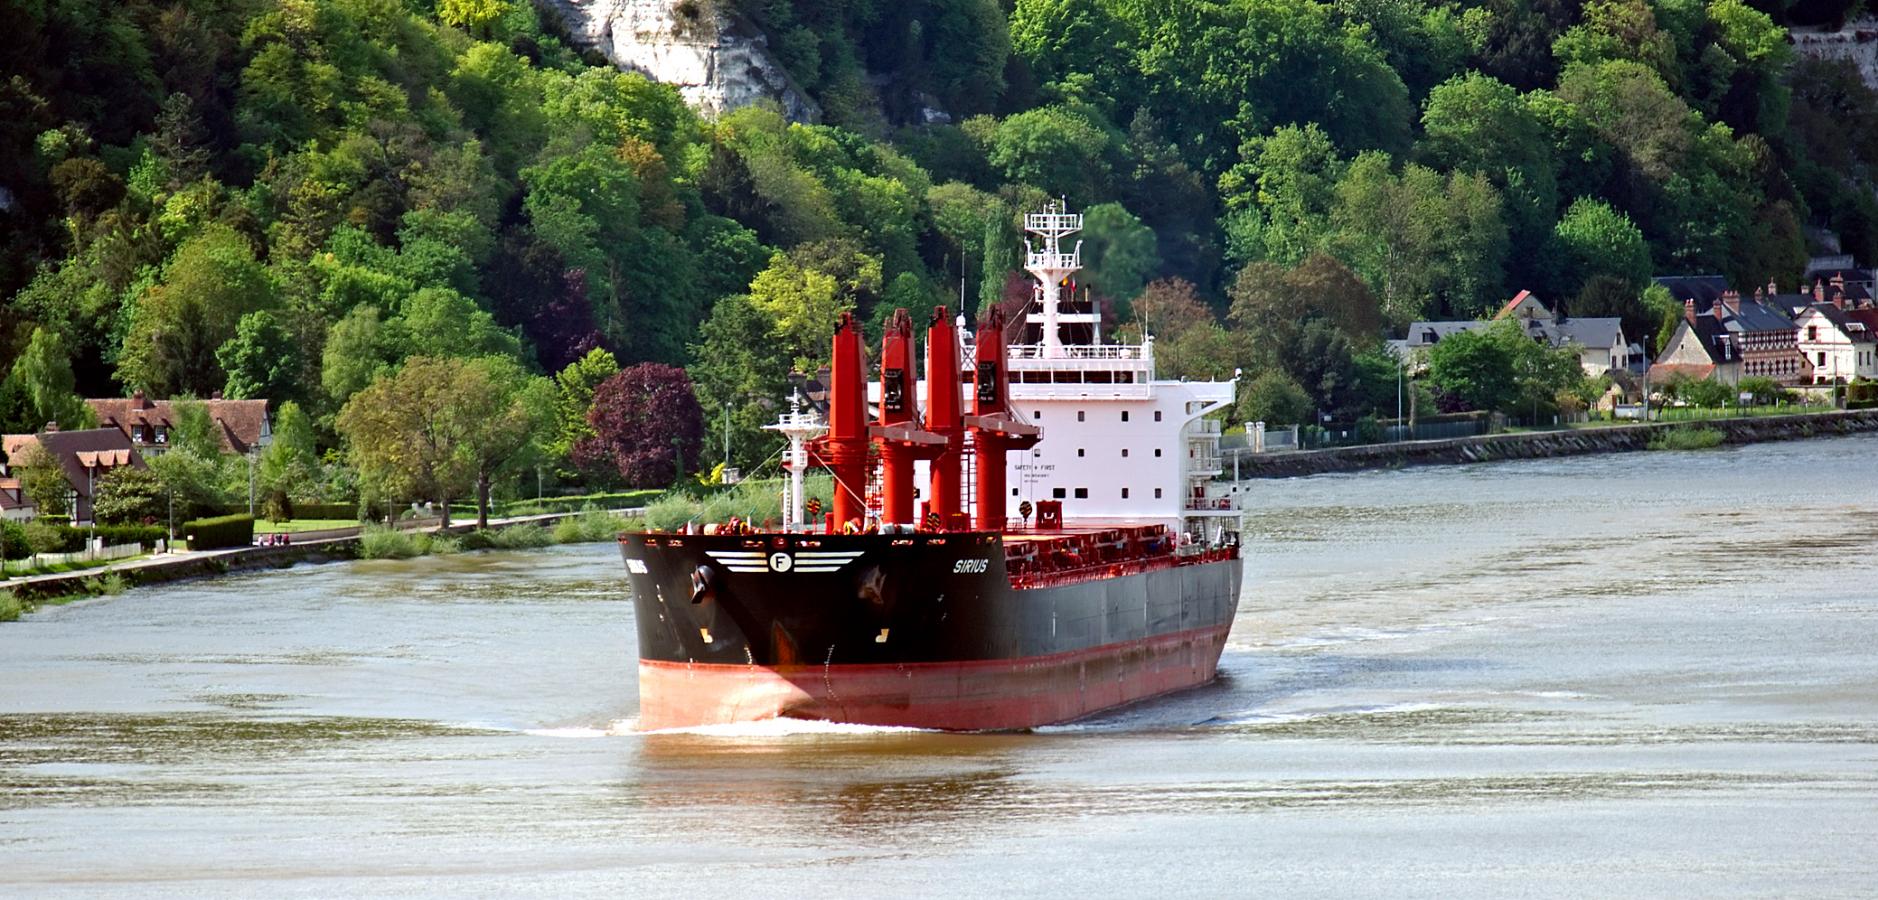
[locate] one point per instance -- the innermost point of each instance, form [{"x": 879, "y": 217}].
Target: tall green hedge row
[{"x": 219, "y": 532}]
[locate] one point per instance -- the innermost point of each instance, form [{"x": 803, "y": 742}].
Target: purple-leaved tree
[{"x": 645, "y": 420}]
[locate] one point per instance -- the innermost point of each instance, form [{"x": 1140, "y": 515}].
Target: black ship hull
[{"x": 922, "y": 630}]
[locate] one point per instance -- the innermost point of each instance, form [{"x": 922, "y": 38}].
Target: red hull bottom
[{"x": 980, "y": 695}]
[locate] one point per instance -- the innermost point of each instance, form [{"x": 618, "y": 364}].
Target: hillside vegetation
[{"x": 290, "y": 198}]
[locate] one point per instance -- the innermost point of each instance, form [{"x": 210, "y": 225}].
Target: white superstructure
[{"x": 1118, "y": 444}]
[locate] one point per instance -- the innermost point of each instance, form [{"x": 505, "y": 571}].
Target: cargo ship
[{"x": 1035, "y": 582}]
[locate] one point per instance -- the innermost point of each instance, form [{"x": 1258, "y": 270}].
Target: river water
[{"x": 1632, "y": 675}]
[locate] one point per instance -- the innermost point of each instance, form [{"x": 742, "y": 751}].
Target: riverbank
[
  {"x": 313, "y": 547},
  {"x": 1546, "y": 444}
]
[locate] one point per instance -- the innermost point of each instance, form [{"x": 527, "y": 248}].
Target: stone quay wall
[{"x": 1546, "y": 444}]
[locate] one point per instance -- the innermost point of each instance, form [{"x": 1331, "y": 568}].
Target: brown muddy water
[{"x": 1635, "y": 675}]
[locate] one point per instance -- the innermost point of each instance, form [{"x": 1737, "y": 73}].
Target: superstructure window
[
  {"x": 1082, "y": 493},
  {"x": 1157, "y": 453},
  {"x": 1157, "y": 415},
  {"x": 1124, "y": 493},
  {"x": 1157, "y": 493},
  {"x": 1036, "y": 414},
  {"x": 1124, "y": 452},
  {"x": 1124, "y": 415},
  {"x": 1079, "y": 416},
  {"x": 1079, "y": 452},
  {"x": 1056, "y": 493}
]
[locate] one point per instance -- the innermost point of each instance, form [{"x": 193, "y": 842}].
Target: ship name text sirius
[{"x": 961, "y": 610}]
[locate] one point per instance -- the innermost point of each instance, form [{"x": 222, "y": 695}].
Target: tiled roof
[
  {"x": 78, "y": 452},
  {"x": 1427, "y": 334},
  {"x": 1703, "y": 289},
  {"x": 1665, "y": 371},
  {"x": 241, "y": 423}
]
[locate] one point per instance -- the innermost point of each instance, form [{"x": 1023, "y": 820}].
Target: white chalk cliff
[{"x": 717, "y": 61}]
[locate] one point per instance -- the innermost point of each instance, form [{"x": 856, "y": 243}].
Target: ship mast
[
  {"x": 799, "y": 426},
  {"x": 1052, "y": 267}
]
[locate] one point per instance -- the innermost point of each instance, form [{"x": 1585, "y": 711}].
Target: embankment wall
[{"x": 1545, "y": 444}]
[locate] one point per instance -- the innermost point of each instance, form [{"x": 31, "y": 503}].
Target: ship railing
[
  {"x": 1210, "y": 504},
  {"x": 1049, "y": 262},
  {"x": 1083, "y": 351},
  {"x": 1205, "y": 465},
  {"x": 1203, "y": 427},
  {"x": 1121, "y": 569}
]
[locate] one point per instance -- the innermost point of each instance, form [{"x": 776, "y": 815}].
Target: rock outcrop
[
  {"x": 1856, "y": 43},
  {"x": 718, "y": 61}
]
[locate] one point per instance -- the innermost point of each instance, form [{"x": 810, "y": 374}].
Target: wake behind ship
[{"x": 960, "y": 611}]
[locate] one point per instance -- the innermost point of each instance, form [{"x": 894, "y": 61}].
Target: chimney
[
  {"x": 1819, "y": 291},
  {"x": 1838, "y": 299},
  {"x": 1719, "y": 309},
  {"x": 52, "y": 427},
  {"x": 138, "y": 400},
  {"x": 1772, "y": 288},
  {"x": 216, "y": 396},
  {"x": 1760, "y": 294},
  {"x": 1688, "y": 310}
]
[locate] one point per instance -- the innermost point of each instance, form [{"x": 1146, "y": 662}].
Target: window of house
[
  {"x": 1124, "y": 415},
  {"x": 1812, "y": 332},
  {"x": 1082, "y": 493},
  {"x": 1157, "y": 493},
  {"x": 1056, "y": 493},
  {"x": 1822, "y": 357},
  {"x": 1124, "y": 493}
]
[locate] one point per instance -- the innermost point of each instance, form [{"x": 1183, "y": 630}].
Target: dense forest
[{"x": 289, "y": 199}]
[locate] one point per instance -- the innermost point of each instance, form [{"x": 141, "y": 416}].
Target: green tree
[
  {"x": 802, "y": 305},
  {"x": 1119, "y": 250},
  {"x": 129, "y": 495},
  {"x": 439, "y": 429},
  {"x": 1423, "y": 241},
  {"x": 574, "y": 396},
  {"x": 290, "y": 465},
  {"x": 737, "y": 364},
  {"x": 1054, "y": 148},
  {"x": 262, "y": 360},
  {"x": 1280, "y": 195},
  {"x": 1475, "y": 123},
  {"x": 177, "y": 326},
  {"x": 1594, "y": 240},
  {"x": 1273, "y": 398},
  {"x": 42, "y": 481},
  {"x": 43, "y": 376},
  {"x": 1472, "y": 371},
  {"x": 359, "y": 347}
]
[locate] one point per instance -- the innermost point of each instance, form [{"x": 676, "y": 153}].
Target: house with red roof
[
  {"x": 83, "y": 456},
  {"x": 242, "y": 425}
]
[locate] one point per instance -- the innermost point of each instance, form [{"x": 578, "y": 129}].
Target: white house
[{"x": 1841, "y": 344}]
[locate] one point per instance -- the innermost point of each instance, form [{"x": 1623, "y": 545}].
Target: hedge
[
  {"x": 219, "y": 532},
  {"x": 563, "y": 504},
  {"x": 302, "y": 510},
  {"x": 72, "y": 537}
]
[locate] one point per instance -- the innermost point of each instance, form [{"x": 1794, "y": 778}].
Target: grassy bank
[
  {"x": 1687, "y": 439},
  {"x": 380, "y": 542},
  {"x": 110, "y": 583}
]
